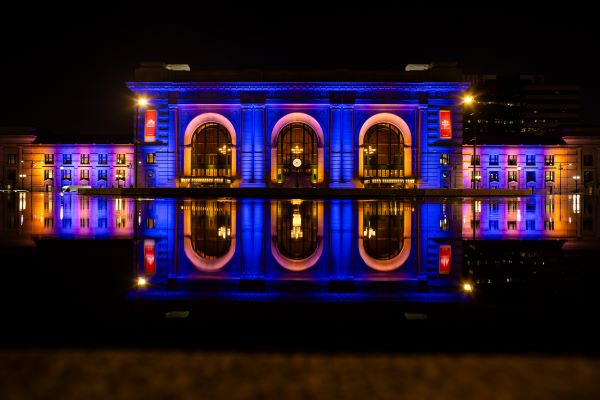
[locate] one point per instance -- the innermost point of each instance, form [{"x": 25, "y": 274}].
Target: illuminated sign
[
  {"x": 445, "y": 124},
  {"x": 149, "y": 257},
  {"x": 445, "y": 252},
  {"x": 150, "y": 126}
]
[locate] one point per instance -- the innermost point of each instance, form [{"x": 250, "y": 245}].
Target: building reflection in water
[
  {"x": 430, "y": 244},
  {"x": 297, "y": 233},
  {"x": 384, "y": 240},
  {"x": 209, "y": 228}
]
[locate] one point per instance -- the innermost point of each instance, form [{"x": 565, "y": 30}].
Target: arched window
[
  {"x": 211, "y": 151},
  {"x": 211, "y": 230},
  {"x": 383, "y": 229},
  {"x": 383, "y": 152},
  {"x": 297, "y": 141}
]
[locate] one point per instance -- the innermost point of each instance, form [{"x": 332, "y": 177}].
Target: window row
[{"x": 84, "y": 159}]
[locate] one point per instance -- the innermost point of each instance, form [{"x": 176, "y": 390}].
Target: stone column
[
  {"x": 253, "y": 145},
  {"x": 341, "y": 147}
]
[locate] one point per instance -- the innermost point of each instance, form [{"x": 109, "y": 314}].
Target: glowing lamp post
[
  {"x": 140, "y": 102},
  {"x": 469, "y": 101}
]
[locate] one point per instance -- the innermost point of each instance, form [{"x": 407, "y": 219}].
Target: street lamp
[
  {"x": 140, "y": 102},
  {"x": 469, "y": 101}
]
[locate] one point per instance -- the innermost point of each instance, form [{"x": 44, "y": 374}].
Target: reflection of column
[
  {"x": 252, "y": 237},
  {"x": 341, "y": 218}
]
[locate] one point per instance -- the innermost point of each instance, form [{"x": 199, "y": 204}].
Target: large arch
[
  {"x": 398, "y": 123},
  {"x": 392, "y": 263},
  {"x": 311, "y": 122},
  {"x": 201, "y": 263},
  {"x": 189, "y": 133}
]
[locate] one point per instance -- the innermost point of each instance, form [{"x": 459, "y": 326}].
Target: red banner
[
  {"x": 445, "y": 259},
  {"x": 445, "y": 124},
  {"x": 150, "y": 126},
  {"x": 149, "y": 257}
]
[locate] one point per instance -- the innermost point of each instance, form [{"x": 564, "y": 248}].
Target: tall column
[
  {"x": 174, "y": 156},
  {"x": 247, "y": 142},
  {"x": 258, "y": 147},
  {"x": 253, "y": 145},
  {"x": 335, "y": 146},
  {"x": 341, "y": 148},
  {"x": 347, "y": 145}
]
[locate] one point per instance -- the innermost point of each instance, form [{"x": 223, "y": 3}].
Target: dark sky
[{"x": 68, "y": 74}]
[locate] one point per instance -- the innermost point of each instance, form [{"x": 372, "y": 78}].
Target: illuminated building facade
[
  {"x": 29, "y": 165},
  {"x": 277, "y": 129}
]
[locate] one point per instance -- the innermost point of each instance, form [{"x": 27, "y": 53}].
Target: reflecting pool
[{"x": 337, "y": 250}]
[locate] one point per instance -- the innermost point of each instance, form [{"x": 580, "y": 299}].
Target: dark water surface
[{"x": 497, "y": 274}]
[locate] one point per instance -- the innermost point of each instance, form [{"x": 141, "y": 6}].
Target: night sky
[{"x": 67, "y": 74}]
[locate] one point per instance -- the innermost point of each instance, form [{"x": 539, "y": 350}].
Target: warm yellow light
[
  {"x": 467, "y": 287},
  {"x": 468, "y": 99},
  {"x": 142, "y": 101},
  {"x": 141, "y": 281}
]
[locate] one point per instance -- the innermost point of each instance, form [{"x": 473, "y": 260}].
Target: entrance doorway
[{"x": 297, "y": 156}]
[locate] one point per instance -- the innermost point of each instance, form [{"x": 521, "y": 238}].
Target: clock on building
[{"x": 297, "y": 162}]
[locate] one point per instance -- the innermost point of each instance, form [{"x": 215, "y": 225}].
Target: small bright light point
[
  {"x": 142, "y": 101},
  {"x": 141, "y": 281},
  {"x": 468, "y": 99},
  {"x": 467, "y": 287}
]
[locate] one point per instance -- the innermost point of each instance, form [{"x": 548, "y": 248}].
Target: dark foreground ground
[
  {"x": 71, "y": 331},
  {"x": 159, "y": 374}
]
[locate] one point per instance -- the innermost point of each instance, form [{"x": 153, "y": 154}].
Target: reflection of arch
[
  {"x": 191, "y": 129},
  {"x": 290, "y": 263},
  {"x": 301, "y": 118},
  {"x": 398, "y": 123},
  {"x": 396, "y": 261},
  {"x": 196, "y": 209}
]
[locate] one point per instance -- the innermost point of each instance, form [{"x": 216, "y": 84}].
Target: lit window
[
  {"x": 48, "y": 174},
  {"x": 475, "y": 160},
  {"x": 84, "y": 174},
  {"x": 66, "y": 174},
  {"x": 150, "y": 158},
  {"x": 549, "y": 176},
  {"x": 85, "y": 159},
  {"x": 549, "y": 160},
  {"x": 102, "y": 158},
  {"x": 494, "y": 176},
  {"x": 445, "y": 159},
  {"x": 67, "y": 159},
  {"x": 48, "y": 158},
  {"x": 120, "y": 158},
  {"x": 512, "y": 176},
  {"x": 512, "y": 160}
]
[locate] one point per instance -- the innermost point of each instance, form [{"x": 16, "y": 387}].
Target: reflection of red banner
[
  {"x": 445, "y": 124},
  {"x": 150, "y": 126},
  {"x": 149, "y": 257},
  {"x": 445, "y": 260}
]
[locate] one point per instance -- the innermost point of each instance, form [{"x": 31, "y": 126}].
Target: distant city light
[
  {"x": 467, "y": 287},
  {"x": 142, "y": 101},
  {"x": 468, "y": 99},
  {"x": 141, "y": 281}
]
